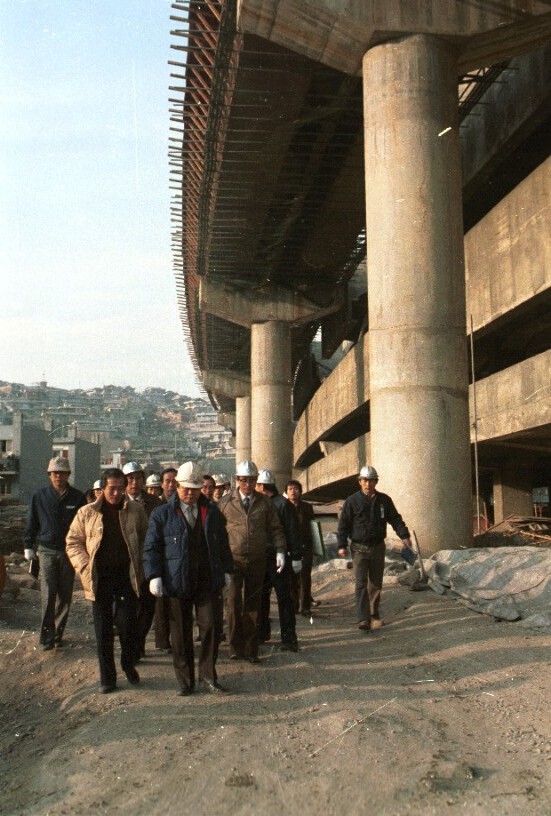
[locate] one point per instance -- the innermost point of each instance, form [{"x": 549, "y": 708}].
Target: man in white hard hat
[
  {"x": 50, "y": 515},
  {"x": 363, "y": 520},
  {"x": 280, "y": 581},
  {"x": 187, "y": 558},
  {"x": 153, "y": 485},
  {"x": 97, "y": 488},
  {"x": 254, "y": 530},
  {"x": 219, "y": 486},
  {"x": 105, "y": 546},
  {"x": 135, "y": 484}
]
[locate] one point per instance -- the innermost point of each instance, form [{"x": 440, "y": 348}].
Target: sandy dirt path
[{"x": 440, "y": 711}]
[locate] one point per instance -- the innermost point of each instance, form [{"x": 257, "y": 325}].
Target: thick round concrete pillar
[
  {"x": 242, "y": 429},
  {"x": 271, "y": 424},
  {"x": 416, "y": 288}
]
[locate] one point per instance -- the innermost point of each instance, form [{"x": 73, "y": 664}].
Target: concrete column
[
  {"x": 416, "y": 288},
  {"x": 513, "y": 490},
  {"x": 242, "y": 429},
  {"x": 271, "y": 424}
]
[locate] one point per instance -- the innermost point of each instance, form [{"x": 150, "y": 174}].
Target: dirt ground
[{"x": 440, "y": 711}]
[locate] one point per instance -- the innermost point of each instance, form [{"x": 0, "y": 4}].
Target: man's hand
[
  {"x": 29, "y": 554},
  {"x": 156, "y": 587},
  {"x": 342, "y": 552},
  {"x": 407, "y": 543},
  {"x": 280, "y": 561},
  {"x": 227, "y": 581},
  {"x": 297, "y": 566}
]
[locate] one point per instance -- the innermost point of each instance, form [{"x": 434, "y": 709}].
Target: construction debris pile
[{"x": 517, "y": 531}]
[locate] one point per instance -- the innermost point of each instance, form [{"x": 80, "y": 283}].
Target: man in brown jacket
[
  {"x": 105, "y": 546},
  {"x": 254, "y": 528}
]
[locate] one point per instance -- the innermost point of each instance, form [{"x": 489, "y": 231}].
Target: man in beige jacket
[
  {"x": 105, "y": 546},
  {"x": 254, "y": 529}
]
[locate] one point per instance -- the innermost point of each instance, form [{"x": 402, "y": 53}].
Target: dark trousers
[
  {"x": 301, "y": 584},
  {"x": 115, "y": 605},
  {"x": 281, "y": 582},
  {"x": 57, "y": 577},
  {"x": 145, "y": 614},
  {"x": 243, "y": 607},
  {"x": 161, "y": 623},
  {"x": 369, "y": 565},
  {"x": 180, "y": 611}
]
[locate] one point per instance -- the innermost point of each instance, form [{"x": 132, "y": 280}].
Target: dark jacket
[
  {"x": 50, "y": 516},
  {"x": 364, "y": 521},
  {"x": 254, "y": 534},
  {"x": 166, "y": 548},
  {"x": 289, "y": 520}
]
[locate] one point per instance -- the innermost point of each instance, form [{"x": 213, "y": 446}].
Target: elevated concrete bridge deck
[{"x": 312, "y": 138}]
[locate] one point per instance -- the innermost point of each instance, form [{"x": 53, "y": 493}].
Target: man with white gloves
[
  {"x": 280, "y": 579},
  {"x": 254, "y": 531},
  {"x": 188, "y": 559}
]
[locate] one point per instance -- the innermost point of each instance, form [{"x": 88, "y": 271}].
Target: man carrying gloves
[{"x": 187, "y": 558}]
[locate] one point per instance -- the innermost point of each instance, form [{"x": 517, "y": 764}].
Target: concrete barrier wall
[
  {"x": 514, "y": 399},
  {"x": 508, "y": 253}
]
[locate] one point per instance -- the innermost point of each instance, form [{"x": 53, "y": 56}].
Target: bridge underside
[{"x": 319, "y": 201}]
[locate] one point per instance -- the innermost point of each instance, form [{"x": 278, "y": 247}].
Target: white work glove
[
  {"x": 227, "y": 581},
  {"x": 156, "y": 587},
  {"x": 280, "y": 561},
  {"x": 29, "y": 555},
  {"x": 297, "y": 566}
]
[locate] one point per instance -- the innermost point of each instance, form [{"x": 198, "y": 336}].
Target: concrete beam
[
  {"x": 508, "y": 253},
  {"x": 513, "y": 400},
  {"x": 263, "y": 304},
  {"x": 339, "y": 33},
  {"x": 508, "y": 41},
  {"x": 232, "y": 384}
]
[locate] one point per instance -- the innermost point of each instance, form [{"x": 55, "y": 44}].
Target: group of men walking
[{"x": 174, "y": 557}]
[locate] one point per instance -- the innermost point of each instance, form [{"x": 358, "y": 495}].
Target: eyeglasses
[{"x": 249, "y": 479}]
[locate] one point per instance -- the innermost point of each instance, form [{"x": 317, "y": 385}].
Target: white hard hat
[
  {"x": 190, "y": 475},
  {"x": 132, "y": 467},
  {"x": 368, "y": 472},
  {"x": 219, "y": 479},
  {"x": 265, "y": 476},
  {"x": 153, "y": 481},
  {"x": 97, "y": 485},
  {"x": 59, "y": 465},
  {"x": 246, "y": 468}
]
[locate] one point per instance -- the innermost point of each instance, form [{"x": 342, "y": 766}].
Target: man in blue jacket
[
  {"x": 187, "y": 558},
  {"x": 52, "y": 510},
  {"x": 363, "y": 519}
]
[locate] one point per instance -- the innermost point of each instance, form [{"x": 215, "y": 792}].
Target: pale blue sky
[{"x": 87, "y": 287}]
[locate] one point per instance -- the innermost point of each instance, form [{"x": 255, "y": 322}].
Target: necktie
[
  {"x": 190, "y": 515},
  {"x": 246, "y": 503}
]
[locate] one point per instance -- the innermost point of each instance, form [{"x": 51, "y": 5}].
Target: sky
[{"x": 87, "y": 291}]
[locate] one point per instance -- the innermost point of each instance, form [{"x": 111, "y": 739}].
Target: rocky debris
[{"x": 517, "y": 531}]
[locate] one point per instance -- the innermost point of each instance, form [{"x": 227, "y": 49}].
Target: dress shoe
[
  {"x": 364, "y": 625},
  {"x": 59, "y": 644},
  {"x": 254, "y": 659},
  {"x": 289, "y": 646},
  {"x": 133, "y": 677},
  {"x": 46, "y": 647},
  {"x": 185, "y": 692},
  {"x": 314, "y": 603},
  {"x": 306, "y": 613},
  {"x": 213, "y": 686},
  {"x": 376, "y": 623},
  {"x": 235, "y": 656},
  {"x": 107, "y": 688}
]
